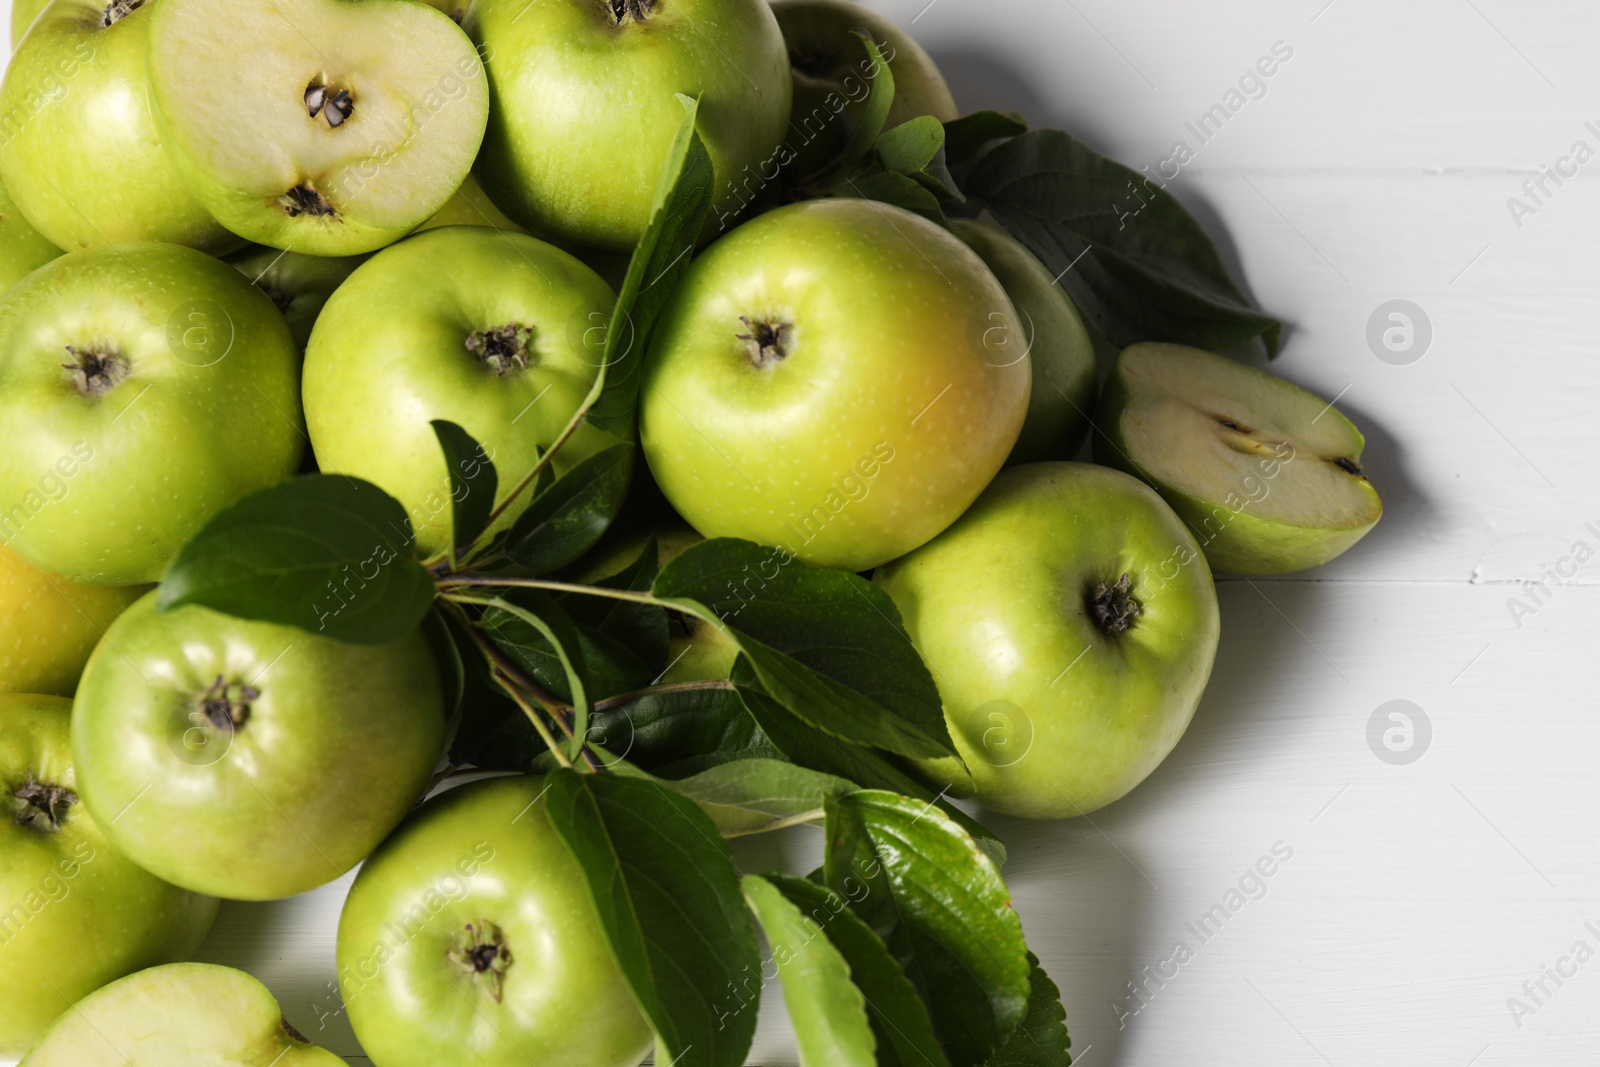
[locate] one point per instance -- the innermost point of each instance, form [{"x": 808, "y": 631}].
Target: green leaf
[
  {"x": 916, "y": 149},
  {"x": 752, "y": 796},
  {"x": 940, "y": 905},
  {"x": 442, "y": 639},
  {"x": 673, "y": 733},
  {"x": 899, "y": 1017},
  {"x": 887, "y": 187},
  {"x": 494, "y": 734},
  {"x": 668, "y": 897},
  {"x": 825, "y": 1008},
  {"x": 965, "y": 139},
  {"x": 473, "y": 483},
  {"x": 842, "y": 630},
  {"x": 1040, "y": 1040},
  {"x": 329, "y": 554},
  {"x": 876, "y": 114},
  {"x": 567, "y": 519},
  {"x": 1133, "y": 260},
  {"x": 512, "y": 620},
  {"x": 684, "y": 192}
]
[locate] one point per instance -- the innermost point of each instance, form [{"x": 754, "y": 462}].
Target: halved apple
[
  {"x": 1267, "y": 475},
  {"x": 338, "y": 129},
  {"x": 180, "y": 1015}
]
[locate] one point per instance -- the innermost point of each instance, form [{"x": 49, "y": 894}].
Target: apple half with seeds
[
  {"x": 341, "y": 127},
  {"x": 180, "y": 1015},
  {"x": 1266, "y": 475}
]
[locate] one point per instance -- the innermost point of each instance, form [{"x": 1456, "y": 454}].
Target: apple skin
[
  {"x": 79, "y": 913},
  {"x": 23, "y": 12},
  {"x": 23, "y": 249},
  {"x": 179, "y": 1015},
  {"x": 999, "y": 606},
  {"x": 85, "y": 163},
  {"x": 470, "y": 206},
  {"x": 1060, "y": 348},
  {"x": 48, "y": 626},
  {"x": 103, "y": 487},
  {"x": 897, "y": 402},
  {"x": 297, "y": 284},
  {"x": 1247, "y": 542},
  {"x": 335, "y": 747},
  {"x": 389, "y": 354},
  {"x": 583, "y": 110},
  {"x": 483, "y": 855},
  {"x": 827, "y": 68}
]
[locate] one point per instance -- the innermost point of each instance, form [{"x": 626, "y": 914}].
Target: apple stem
[
  {"x": 1113, "y": 606},
  {"x": 118, "y": 10},
  {"x": 43, "y": 806}
]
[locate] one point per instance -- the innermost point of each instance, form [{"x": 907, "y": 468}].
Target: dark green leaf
[
  {"x": 638, "y": 631},
  {"x": 473, "y": 482},
  {"x": 966, "y": 138},
  {"x": 684, "y": 193},
  {"x": 752, "y": 796},
  {"x": 527, "y": 624},
  {"x": 941, "y": 907},
  {"x": 916, "y": 149},
  {"x": 1134, "y": 261},
  {"x": 567, "y": 519},
  {"x": 836, "y": 623},
  {"x": 826, "y": 1010},
  {"x": 876, "y": 114},
  {"x": 441, "y": 638},
  {"x": 899, "y": 1017},
  {"x": 494, "y": 734},
  {"x": 887, "y": 187},
  {"x": 1040, "y": 1040},
  {"x": 674, "y": 732},
  {"x": 329, "y": 554},
  {"x": 668, "y": 897}
]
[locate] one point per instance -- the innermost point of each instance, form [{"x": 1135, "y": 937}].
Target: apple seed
[{"x": 335, "y": 106}]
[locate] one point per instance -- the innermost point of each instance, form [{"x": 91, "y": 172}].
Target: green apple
[
  {"x": 143, "y": 388},
  {"x": 249, "y": 760},
  {"x": 471, "y": 937},
  {"x": 80, "y": 152},
  {"x": 470, "y": 206},
  {"x": 338, "y": 129},
  {"x": 74, "y": 912},
  {"x": 23, "y": 249},
  {"x": 297, "y": 284},
  {"x": 1059, "y": 347},
  {"x": 497, "y": 332},
  {"x": 832, "y": 75},
  {"x": 1267, "y": 475},
  {"x": 180, "y": 1015},
  {"x": 837, "y": 378},
  {"x": 1071, "y": 624},
  {"x": 456, "y": 9},
  {"x": 48, "y": 626},
  {"x": 23, "y": 12},
  {"x": 585, "y": 106},
  {"x": 697, "y": 650}
]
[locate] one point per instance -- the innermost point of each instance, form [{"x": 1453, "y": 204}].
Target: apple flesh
[
  {"x": 78, "y": 913},
  {"x": 1059, "y": 347},
  {"x": 475, "y": 909},
  {"x": 298, "y": 285},
  {"x": 48, "y": 626},
  {"x": 340, "y": 130},
  {"x": 1266, "y": 475},
  {"x": 249, "y": 760},
  {"x": 831, "y": 76},
  {"x": 585, "y": 106},
  {"x": 143, "y": 388},
  {"x": 497, "y": 332},
  {"x": 23, "y": 249},
  {"x": 1072, "y": 623},
  {"x": 81, "y": 155},
  {"x": 836, "y": 378},
  {"x": 180, "y": 1015}
]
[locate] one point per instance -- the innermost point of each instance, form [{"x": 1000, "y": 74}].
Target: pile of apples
[{"x": 243, "y": 240}]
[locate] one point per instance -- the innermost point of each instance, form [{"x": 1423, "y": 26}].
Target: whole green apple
[
  {"x": 48, "y": 626},
  {"x": 1059, "y": 347},
  {"x": 833, "y": 76},
  {"x": 1267, "y": 475},
  {"x": 23, "y": 249},
  {"x": 696, "y": 650},
  {"x": 471, "y": 937},
  {"x": 249, "y": 760},
  {"x": 74, "y": 912},
  {"x": 837, "y": 378},
  {"x": 470, "y": 206},
  {"x": 143, "y": 388},
  {"x": 497, "y": 332},
  {"x": 180, "y": 1015},
  {"x": 23, "y": 12},
  {"x": 321, "y": 126},
  {"x": 297, "y": 284},
  {"x": 1071, "y": 623},
  {"x": 80, "y": 153},
  {"x": 585, "y": 107}
]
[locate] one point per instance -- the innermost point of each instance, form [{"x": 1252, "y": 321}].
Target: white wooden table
[{"x": 1419, "y": 897}]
